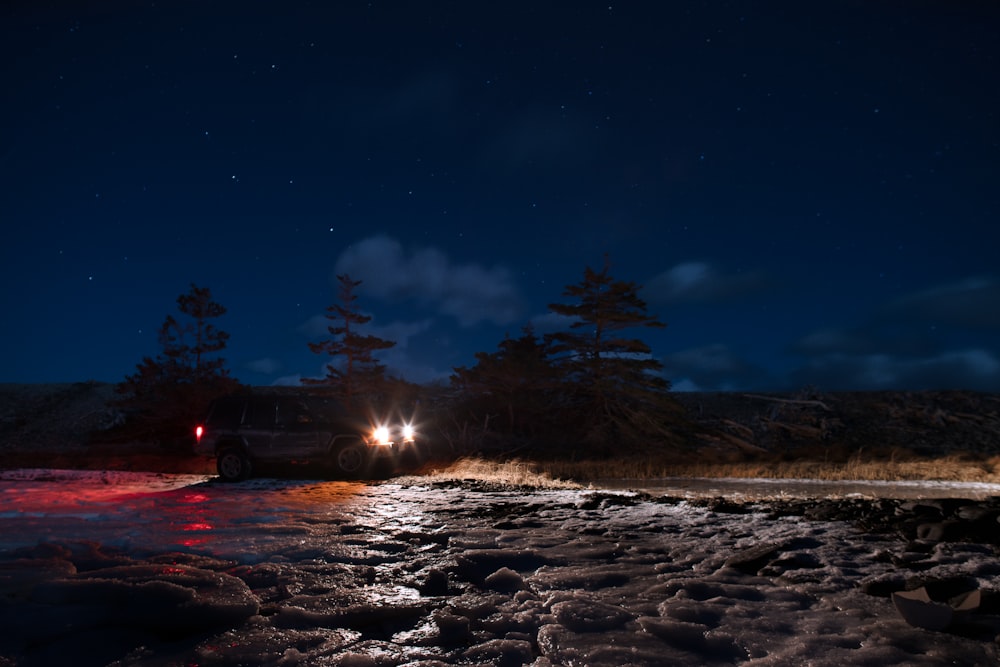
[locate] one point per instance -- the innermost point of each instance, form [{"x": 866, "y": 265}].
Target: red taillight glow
[{"x": 198, "y": 431}]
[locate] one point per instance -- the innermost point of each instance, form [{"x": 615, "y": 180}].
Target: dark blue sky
[{"x": 809, "y": 192}]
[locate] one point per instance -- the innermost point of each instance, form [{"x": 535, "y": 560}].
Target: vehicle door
[
  {"x": 295, "y": 435},
  {"x": 258, "y": 425}
]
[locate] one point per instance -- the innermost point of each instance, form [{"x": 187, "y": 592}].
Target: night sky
[{"x": 809, "y": 192}]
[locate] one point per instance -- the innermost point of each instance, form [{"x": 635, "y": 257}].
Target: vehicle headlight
[
  {"x": 381, "y": 435},
  {"x": 408, "y": 432}
]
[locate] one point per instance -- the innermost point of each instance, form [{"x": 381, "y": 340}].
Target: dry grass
[
  {"x": 554, "y": 474},
  {"x": 509, "y": 474},
  {"x": 947, "y": 468},
  {"x": 899, "y": 465}
]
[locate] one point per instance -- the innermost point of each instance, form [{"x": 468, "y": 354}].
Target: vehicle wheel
[
  {"x": 350, "y": 460},
  {"x": 233, "y": 465}
]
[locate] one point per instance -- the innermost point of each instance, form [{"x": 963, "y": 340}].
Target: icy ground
[{"x": 134, "y": 569}]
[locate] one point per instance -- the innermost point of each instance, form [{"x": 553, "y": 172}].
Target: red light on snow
[
  {"x": 197, "y": 526},
  {"x": 193, "y": 542}
]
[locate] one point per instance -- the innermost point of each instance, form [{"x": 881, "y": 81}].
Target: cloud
[
  {"x": 699, "y": 281},
  {"x": 970, "y": 369},
  {"x": 470, "y": 293},
  {"x": 932, "y": 339},
  {"x": 972, "y": 304},
  {"x": 399, "y": 362},
  {"x": 836, "y": 341},
  {"x": 267, "y": 365},
  {"x": 399, "y": 332},
  {"x": 871, "y": 338},
  {"x": 685, "y": 385},
  {"x": 711, "y": 368},
  {"x": 315, "y": 327}
]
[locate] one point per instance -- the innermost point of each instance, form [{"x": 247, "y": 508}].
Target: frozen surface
[
  {"x": 135, "y": 569},
  {"x": 699, "y": 487}
]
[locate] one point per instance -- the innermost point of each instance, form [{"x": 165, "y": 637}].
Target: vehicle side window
[
  {"x": 260, "y": 413},
  {"x": 291, "y": 412},
  {"x": 326, "y": 409},
  {"x": 226, "y": 414}
]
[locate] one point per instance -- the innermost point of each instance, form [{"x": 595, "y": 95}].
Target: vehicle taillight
[{"x": 198, "y": 432}]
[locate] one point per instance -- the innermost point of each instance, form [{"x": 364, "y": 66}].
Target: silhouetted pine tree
[
  {"x": 169, "y": 394},
  {"x": 358, "y": 376},
  {"x": 611, "y": 380},
  {"x": 508, "y": 392}
]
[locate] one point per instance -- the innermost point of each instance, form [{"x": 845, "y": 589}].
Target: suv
[{"x": 243, "y": 430}]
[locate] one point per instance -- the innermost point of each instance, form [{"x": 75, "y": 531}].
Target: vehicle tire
[
  {"x": 350, "y": 460},
  {"x": 233, "y": 465}
]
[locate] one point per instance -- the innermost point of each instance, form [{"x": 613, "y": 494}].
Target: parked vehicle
[{"x": 245, "y": 431}]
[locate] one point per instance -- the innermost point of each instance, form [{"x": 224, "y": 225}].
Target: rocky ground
[{"x": 105, "y": 568}]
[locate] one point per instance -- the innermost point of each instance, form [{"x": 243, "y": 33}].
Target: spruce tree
[
  {"x": 355, "y": 373},
  {"x": 168, "y": 394},
  {"x": 611, "y": 378},
  {"x": 510, "y": 389}
]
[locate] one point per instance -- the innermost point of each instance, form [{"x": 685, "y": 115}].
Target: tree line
[{"x": 594, "y": 388}]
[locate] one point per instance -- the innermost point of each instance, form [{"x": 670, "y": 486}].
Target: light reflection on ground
[{"x": 193, "y": 512}]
